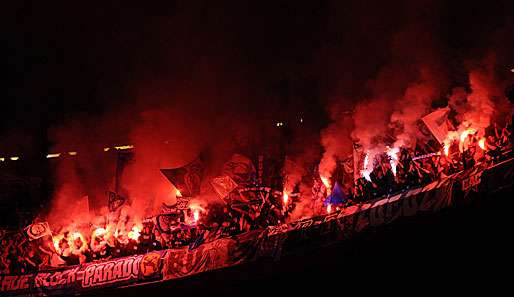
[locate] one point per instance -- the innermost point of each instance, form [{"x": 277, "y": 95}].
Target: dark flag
[
  {"x": 186, "y": 179},
  {"x": 115, "y": 201},
  {"x": 123, "y": 158},
  {"x": 240, "y": 169},
  {"x": 38, "y": 230}
]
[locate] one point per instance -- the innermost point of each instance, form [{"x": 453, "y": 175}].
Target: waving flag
[
  {"x": 240, "y": 168},
  {"x": 223, "y": 185},
  {"x": 186, "y": 179},
  {"x": 38, "y": 230},
  {"x": 337, "y": 196},
  {"x": 436, "y": 122},
  {"x": 115, "y": 201}
]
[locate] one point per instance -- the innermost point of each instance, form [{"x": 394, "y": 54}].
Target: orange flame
[
  {"x": 196, "y": 215},
  {"x": 329, "y": 208},
  {"x": 196, "y": 209},
  {"x": 463, "y": 137},
  {"x": 99, "y": 231},
  {"x": 134, "y": 233},
  {"x": 83, "y": 243},
  {"x": 177, "y": 193},
  {"x": 56, "y": 239},
  {"x": 285, "y": 198},
  {"x": 365, "y": 172},
  {"x": 325, "y": 182},
  {"x": 482, "y": 144},
  {"x": 446, "y": 149}
]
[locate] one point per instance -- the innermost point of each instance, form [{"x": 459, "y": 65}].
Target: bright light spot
[
  {"x": 285, "y": 198},
  {"x": 301, "y": 120},
  {"x": 481, "y": 143},
  {"x": 446, "y": 149},
  {"x": 326, "y": 183},
  {"x": 465, "y": 134},
  {"x": 329, "y": 208},
  {"x": 15, "y": 158},
  {"x": 196, "y": 215},
  {"x": 77, "y": 235},
  {"x": 512, "y": 70},
  {"x": 106, "y": 149},
  {"x": 463, "y": 137},
  {"x": 53, "y": 155},
  {"x": 134, "y": 233},
  {"x": 366, "y": 172},
  {"x": 196, "y": 210},
  {"x": 280, "y": 124},
  {"x": 2, "y": 159},
  {"x": 124, "y": 147},
  {"x": 72, "y": 153},
  {"x": 393, "y": 155},
  {"x": 177, "y": 193},
  {"x": 100, "y": 231}
]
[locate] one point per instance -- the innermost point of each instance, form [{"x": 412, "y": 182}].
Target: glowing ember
[
  {"x": 177, "y": 193},
  {"x": 134, "y": 233},
  {"x": 285, "y": 198},
  {"x": 57, "y": 240},
  {"x": 196, "y": 215},
  {"x": 196, "y": 211},
  {"x": 463, "y": 136},
  {"x": 446, "y": 148},
  {"x": 78, "y": 243},
  {"x": 329, "y": 208},
  {"x": 482, "y": 144}
]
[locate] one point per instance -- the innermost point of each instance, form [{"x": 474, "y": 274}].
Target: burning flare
[
  {"x": 134, "y": 233},
  {"x": 463, "y": 136},
  {"x": 446, "y": 148},
  {"x": 285, "y": 198},
  {"x": 393, "y": 158},
  {"x": 482, "y": 144},
  {"x": 365, "y": 172},
  {"x": 196, "y": 215},
  {"x": 99, "y": 232},
  {"x": 326, "y": 183},
  {"x": 329, "y": 208}
]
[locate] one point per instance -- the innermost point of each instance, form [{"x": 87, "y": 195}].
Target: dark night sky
[{"x": 65, "y": 60}]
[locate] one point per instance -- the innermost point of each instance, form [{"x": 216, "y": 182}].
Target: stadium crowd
[{"x": 21, "y": 255}]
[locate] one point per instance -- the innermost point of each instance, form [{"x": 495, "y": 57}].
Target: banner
[
  {"x": 72, "y": 280},
  {"x": 209, "y": 256}
]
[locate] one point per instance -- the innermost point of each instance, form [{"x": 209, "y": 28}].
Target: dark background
[{"x": 66, "y": 60}]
